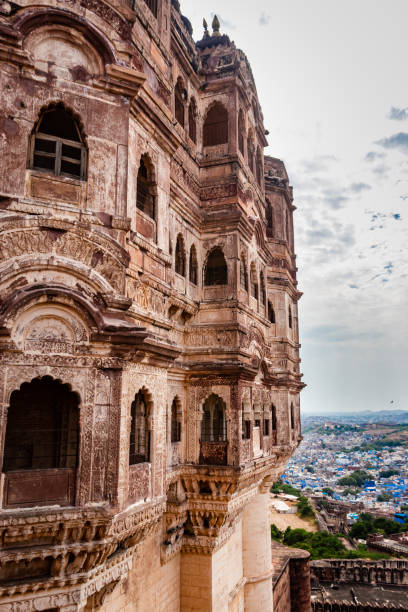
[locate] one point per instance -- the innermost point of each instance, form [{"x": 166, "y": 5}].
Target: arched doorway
[{"x": 40, "y": 456}]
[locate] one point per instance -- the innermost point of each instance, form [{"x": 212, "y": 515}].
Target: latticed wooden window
[
  {"x": 57, "y": 145},
  {"x": 254, "y": 283},
  {"x": 180, "y": 256},
  {"x": 145, "y": 198},
  {"x": 241, "y": 132},
  {"x": 216, "y": 126},
  {"x": 243, "y": 273},
  {"x": 263, "y": 290},
  {"x": 175, "y": 423},
  {"x": 269, "y": 219},
  {"x": 274, "y": 419},
  {"x": 271, "y": 313},
  {"x": 192, "y": 121},
  {"x": 216, "y": 272},
  {"x": 213, "y": 423},
  {"x": 179, "y": 102},
  {"x": 139, "y": 447},
  {"x": 152, "y": 4},
  {"x": 193, "y": 266}
]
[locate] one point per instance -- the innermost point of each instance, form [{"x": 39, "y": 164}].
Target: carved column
[{"x": 257, "y": 555}]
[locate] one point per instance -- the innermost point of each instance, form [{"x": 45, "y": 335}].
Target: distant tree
[
  {"x": 384, "y": 497},
  {"x": 328, "y": 491},
  {"x": 310, "y": 469},
  {"x": 389, "y": 473},
  {"x": 276, "y": 534},
  {"x": 304, "y": 508}
]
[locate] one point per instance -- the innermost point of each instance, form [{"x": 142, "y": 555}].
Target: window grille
[
  {"x": 57, "y": 145},
  {"x": 139, "y": 447},
  {"x": 42, "y": 430},
  {"x": 213, "y": 423},
  {"x": 193, "y": 266},
  {"x": 216, "y": 126}
]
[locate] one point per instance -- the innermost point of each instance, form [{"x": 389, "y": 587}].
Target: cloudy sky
[{"x": 332, "y": 81}]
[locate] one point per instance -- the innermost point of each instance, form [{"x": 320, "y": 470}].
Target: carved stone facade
[{"x": 149, "y": 346}]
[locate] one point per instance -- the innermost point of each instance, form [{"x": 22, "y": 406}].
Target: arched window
[
  {"x": 213, "y": 423},
  {"x": 193, "y": 266},
  {"x": 263, "y": 290},
  {"x": 241, "y": 132},
  {"x": 216, "y": 272},
  {"x": 145, "y": 196},
  {"x": 175, "y": 422},
  {"x": 57, "y": 145},
  {"x": 274, "y": 418},
  {"x": 179, "y": 97},
  {"x": 250, "y": 153},
  {"x": 243, "y": 273},
  {"x": 42, "y": 437},
  {"x": 292, "y": 417},
  {"x": 271, "y": 313},
  {"x": 180, "y": 256},
  {"x": 216, "y": 126},
  {"x": 290, "y": 317},
  {"x": 139, "y": 447},
  {"x": 259, "y": 167},
  {"x": 269, "y": 219},
  {"x": 192, "y": 120},
  {"x": 253, "y": 282}
]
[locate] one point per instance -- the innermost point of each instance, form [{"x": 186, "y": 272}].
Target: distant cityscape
[{"x": 359, "y": 458}]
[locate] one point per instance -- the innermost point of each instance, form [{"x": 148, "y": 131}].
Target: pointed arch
[
  {"x": 192, "y": 120},
  {"x": 216, "y": 271},
  {"x": 241, "y": 132},
  {"x": 262, "y": 288},
  {"x": 193, "y": 266},
  {"x": 243, "y": 272},
  {"x": 253, "y": 280},
  {"x": 269, "y": 219},
  {"x": 271, "y": 313},
  {"x": 180, "y": 256},
  {"x": 215, "y": 130},
  {"x": 146, "y": 188},
  {"x": 140, "y": 431},
  {"x": 58, "y": 143},
  {"x": 175, "y": 421},
  {"x": 213, "y": 422}
]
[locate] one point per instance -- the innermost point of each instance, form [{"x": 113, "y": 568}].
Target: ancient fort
[{"x": 149, "y": 356}]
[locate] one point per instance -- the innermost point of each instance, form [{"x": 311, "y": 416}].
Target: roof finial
[
  {"x": 216, "y": 26},
  {"x": 205, "y": 26}
]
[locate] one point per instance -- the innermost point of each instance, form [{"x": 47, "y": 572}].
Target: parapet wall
[{"x": 359, "y": 571}]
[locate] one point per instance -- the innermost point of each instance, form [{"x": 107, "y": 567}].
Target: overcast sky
[{"x": 333, "y": 85}]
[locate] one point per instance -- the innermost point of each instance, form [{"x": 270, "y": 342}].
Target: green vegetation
[
  {"x": 404, "y": 507},
  {"x": 377, "y": 445},
  {"x": 304, "y": 508},
  {"x": 349, "y": 491},
  {"x": 356, "y": 479},
  {"x": 328, "y": 491},
  {"x": 321, "y": 545},
  {"x": 310, "y": 469},
  {"x": 367, "y": 524},
  {"x": 280, "y": 487},
  {"x": 383, "y": 497},
  {"x": 388, "y": 473}
]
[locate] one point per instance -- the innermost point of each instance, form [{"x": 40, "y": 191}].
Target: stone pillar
[
  {"x": 196, "y": 582},
  {"x": 257, "y": 555}
]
